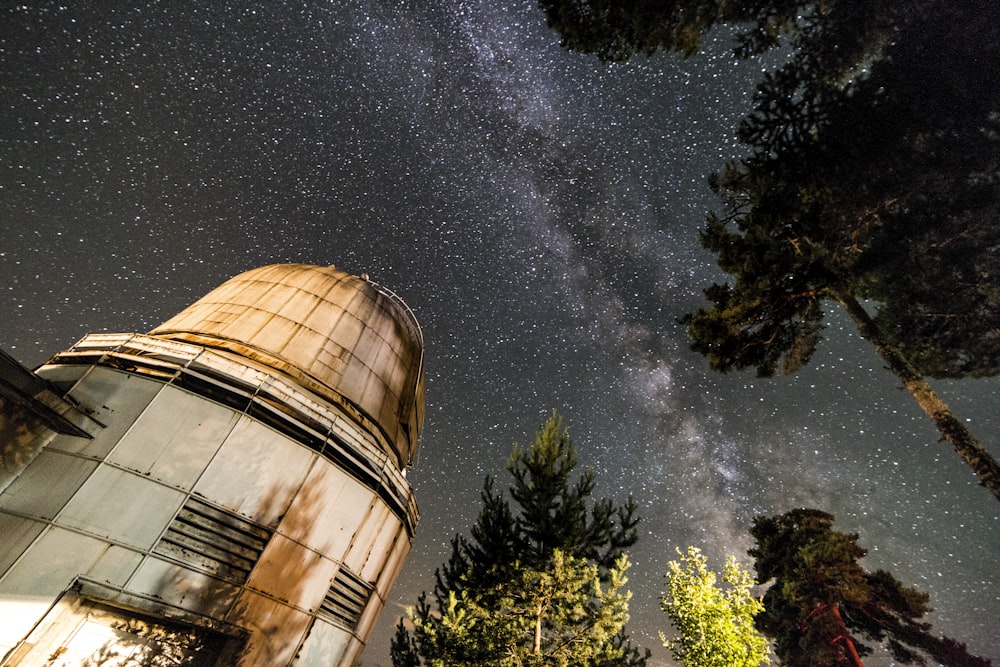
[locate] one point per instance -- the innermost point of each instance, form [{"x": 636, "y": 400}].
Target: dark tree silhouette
[
  {"x": 872, "y": 182},
  {"x": 821, "y": 605}
]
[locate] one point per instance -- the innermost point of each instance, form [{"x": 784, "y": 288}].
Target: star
[{"x": 538, "y": 211}]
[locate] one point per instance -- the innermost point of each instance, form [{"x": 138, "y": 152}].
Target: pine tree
[
  {"x": 616, "y": 30},
  {"x": 873, "y": 174},
  {"x": 403, "y": 650},
  {"x": 822, "y": 605},
  {"x": 539, "y": 582}
]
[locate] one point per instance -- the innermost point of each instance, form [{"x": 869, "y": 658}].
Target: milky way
[{"x": 538, "y": 211}]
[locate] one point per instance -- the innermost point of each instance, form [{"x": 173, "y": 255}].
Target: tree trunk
[
  {"x": 855, "y": 658},
  {"x": 536, "y": 648},
  {"x": 952, "y": 430}
]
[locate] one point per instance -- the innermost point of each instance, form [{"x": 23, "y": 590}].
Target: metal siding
[
  {"x": 213, "y": 540},
  {"x": 115, "y": 566},
  {"x": 290, "y": 572},
  {"x": 121, "y": 506},
  {"x": 319, "y": 324},
  {"x": 277, "y": 629},
  {"x": 46, "y": 485},
  {"x": 328, "y": 511},
  {"x": 256, "y": 472},
  {"x": 175, "y": 437},
  {"x": 114, "y": 399},
  {"x": 63, "y": 552},
  {"x": 184, "y": 588},
  {"x": 325, "y": 646},
  {"x": 318, "y": 514},
  {"x": 18, "y": 533}
]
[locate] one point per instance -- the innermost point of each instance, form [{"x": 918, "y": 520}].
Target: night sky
[{"x": 538, "y": 211}]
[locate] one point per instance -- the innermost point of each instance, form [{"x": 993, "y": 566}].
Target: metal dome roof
[{"x": 341, "y": 336}]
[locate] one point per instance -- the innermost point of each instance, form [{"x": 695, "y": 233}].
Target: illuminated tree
[
  {"x": 537, "y": 583},
  {"x": 716, "y": 624},
  {"x": 560, "y": 615}
]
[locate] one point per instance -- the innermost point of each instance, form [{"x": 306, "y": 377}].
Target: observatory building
[{"x": 228, "y": 489}]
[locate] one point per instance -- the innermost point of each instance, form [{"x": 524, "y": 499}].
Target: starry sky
[{"x": 539, "y": 212}]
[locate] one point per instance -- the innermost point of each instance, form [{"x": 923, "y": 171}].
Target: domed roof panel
[{"x": 336, "y": 334}]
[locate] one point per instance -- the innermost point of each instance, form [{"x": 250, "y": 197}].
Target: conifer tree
[
  {"x": 822, "y": 605},
  {"x": 539, "y": 581},
  {"x": 403, "y": 650},
  {"x": 872, "y": 182}
]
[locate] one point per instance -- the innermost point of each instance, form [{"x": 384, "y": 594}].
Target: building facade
[{"x": 227, "y": 489}]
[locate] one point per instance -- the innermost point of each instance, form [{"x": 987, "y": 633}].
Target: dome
[{"x": 340, "y": 336}]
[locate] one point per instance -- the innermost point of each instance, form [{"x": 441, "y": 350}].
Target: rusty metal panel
[
  {"x": 292, "y": 573},
  {"x": 346, "y": 599},
  {"x": 334, "y": 333},
  {"x": 213, "y": 540}
]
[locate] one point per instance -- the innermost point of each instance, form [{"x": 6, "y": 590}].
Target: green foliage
[
  {"x": 873, "y": 173},
  {"x": 872, "y": 176},
  {"x": 538, "y": 583},
  {"x": 716, "y": 624},
  {"x": 554, "y": 509},
  {"x": 619, "y": 29},
  {"x": 560, "y": 615},
  {"x": 821, "y": 602}
]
